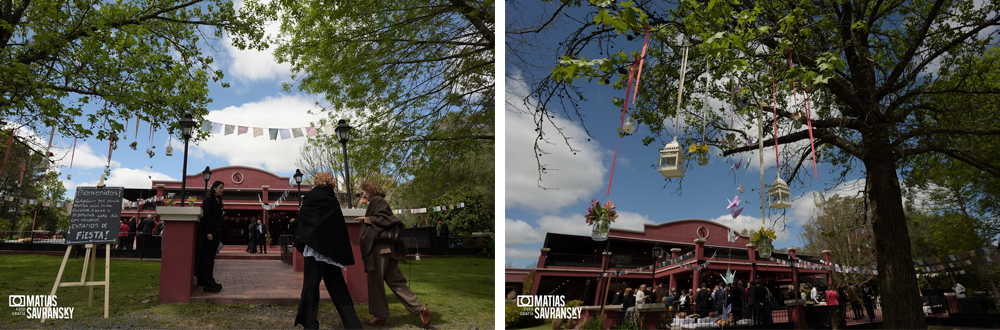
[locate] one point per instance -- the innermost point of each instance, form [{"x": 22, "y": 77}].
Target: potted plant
[
  {"x": 601, "y": 217},
  {"x": 701, "y": 151},
  {"x": 763, "y": 239}
]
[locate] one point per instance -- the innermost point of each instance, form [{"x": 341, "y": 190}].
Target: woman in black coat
[
  {"x": 321, "y": 235},
  {"x": 208, "y": 235}
]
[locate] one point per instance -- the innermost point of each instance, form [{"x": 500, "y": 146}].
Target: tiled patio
[{"x": 254, "y": 278}]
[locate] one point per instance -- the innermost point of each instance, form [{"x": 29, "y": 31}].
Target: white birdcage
[
  {"x": 779, "y": 194},
  {"x": 672, "y": 160}
]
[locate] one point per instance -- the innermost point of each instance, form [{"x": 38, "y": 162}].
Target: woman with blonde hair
[
  {"x": 320, "y": 233},
  {"x": 381, "y": 256}
]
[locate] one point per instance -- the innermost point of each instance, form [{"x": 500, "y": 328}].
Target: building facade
[{"x": 695, "y": 251}]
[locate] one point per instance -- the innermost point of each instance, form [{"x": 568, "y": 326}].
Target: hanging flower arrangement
[
  {"x": 600, "y": 217},
  {"x": 763, "y": 239},
  {"x": 701, "y": 150}
]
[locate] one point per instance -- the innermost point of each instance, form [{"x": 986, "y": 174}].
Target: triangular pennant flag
[
  {"x": 230, "y": 129},
  {"x": 311, "y": 132},
  {"x": 206, "y": 126},
  {"x": 285, "y": 134},
  {"x": 297, "y": 133},
  {"x": 273, "y": 132},
  {"x": 242, "y": 130},
  {"x": 216, "y": 128}
]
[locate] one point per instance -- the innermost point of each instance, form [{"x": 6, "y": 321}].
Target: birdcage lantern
[
  {"x": 672, "y": 160},
  {"x": 779, "y": 195}
]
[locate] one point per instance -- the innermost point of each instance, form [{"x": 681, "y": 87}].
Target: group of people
[
  {"x": 841, "y": 295},
  {"x": 146, "y": 232},
  {"x": 257, "y": 242},
  {"x": 751, "y": 300}
]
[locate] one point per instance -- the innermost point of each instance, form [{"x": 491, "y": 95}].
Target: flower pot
[
  {"x": 702, "y": 158},
  {"x": 765, "y": 248},
  {"x": 600, "y": 232}
]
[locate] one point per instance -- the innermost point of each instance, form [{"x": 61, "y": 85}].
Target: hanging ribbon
[
  {"x": 774, "y": 100},
  {"x": 805, "y": 98},
  {"x": 621, "y": 124},
  {"x": 73, "y": 154},
  {"x": 680, "y": 91},
  {"x": 642, "y": 60},
  {"x": 704, "y": 109},
  {"x": 111, "y": 146},
  {"x": 137, "y": 119}
]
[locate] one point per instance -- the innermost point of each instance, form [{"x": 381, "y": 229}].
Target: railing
[{"x": 577, "y": 260}]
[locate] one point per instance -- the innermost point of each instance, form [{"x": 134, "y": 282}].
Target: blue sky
[
  {"x": 254, "y": 99},
  {"x": 640, "y": 193}
]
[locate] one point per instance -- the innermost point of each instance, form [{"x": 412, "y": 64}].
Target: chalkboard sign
[{"x": 96, "y": 216}]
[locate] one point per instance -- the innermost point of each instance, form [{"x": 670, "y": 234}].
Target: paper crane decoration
[
  {"x": 729, "y": 277},
  {"x": 733, "y": 204},
  {"x": 733, "y": 236}
]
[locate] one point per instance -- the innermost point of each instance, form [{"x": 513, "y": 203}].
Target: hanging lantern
[
  {"x": 629, "y": 126},
  {"x": 672, "y": 160},
  {"x": 779, "y": 194},
  {"x": 69, "y": 176},
  {"x": 818, "y": 198},
  {"x": 170, "y": 149}
]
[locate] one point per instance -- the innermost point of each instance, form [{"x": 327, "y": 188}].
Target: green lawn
[{"x": 459, "y": 292}]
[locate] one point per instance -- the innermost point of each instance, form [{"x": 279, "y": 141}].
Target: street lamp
[
  {"x": 657, "y": 252},
  {"x": 187, "y": 125},
  {"x": 207, "y": 175},
  {"x": 343, "y": 131},
  {"x": 298, "y": 182}
]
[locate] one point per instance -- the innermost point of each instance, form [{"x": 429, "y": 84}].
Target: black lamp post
[
  {"x": 343, "y": 131},
  {"x": 187, "y": 125},
  {"x": 207, "y": 175},
  {"x": 298, "y": 182},
  {"x": 657, "y": 252}
]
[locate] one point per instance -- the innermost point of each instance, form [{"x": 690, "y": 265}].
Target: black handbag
[{"x": 391, "y": 234}]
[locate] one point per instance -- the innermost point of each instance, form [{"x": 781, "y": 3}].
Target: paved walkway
[{"x": 254, "y": 279}]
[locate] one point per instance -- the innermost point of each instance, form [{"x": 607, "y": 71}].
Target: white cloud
[
  {"x": 520, "y": 232},
  {"x": 272, "y": 112},
  {"x": 519, "y": 253},
  {"x": 254, "y": 65},
  {"x": 570, "y": 175}
]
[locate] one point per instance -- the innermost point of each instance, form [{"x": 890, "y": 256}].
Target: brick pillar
[
  {"x": 752, "y": 251},
  {"x": 542, "y": 257},
  {"x": 177, "y": 260},
  {"x": 829, "y": 272},
  {"x": 674, "y": 253},
  {"x": 797, "y": 311},
  {"x": 355, "y": 276},
  {"x": 699, "y": 254}
]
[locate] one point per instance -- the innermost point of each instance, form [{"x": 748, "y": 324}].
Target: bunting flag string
[
  {"x": 26, "y": 201},
  {"x": 217, "y": 128}
]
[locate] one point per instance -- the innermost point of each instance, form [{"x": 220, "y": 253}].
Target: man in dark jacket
[
  {"x": 252, "y": 240},
  {"x": 720, "y": 296},
  {"x": 209, "y": 233},
  {"x": 738, "y": 298},
  {"x": 756, "y": 296},
  {"x": 130, "y": 242},
  {"x": 703, "y": 300},
  {"x": 145, "y": 230}
]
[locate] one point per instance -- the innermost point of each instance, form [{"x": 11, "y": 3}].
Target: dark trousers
[
  {"x": 858, "y": 312},
  {"x": 262, "y": 243},
  {"x": 387, "y": 271},
  {"x": 252, "y": 244},
  {"x": 204, "y": 258},
  {"x": 121, "y": 242},
  {"x": 871, "y": 310},
  {"x": 333, "y": 276},
  {"x": 131, "y": 240}
]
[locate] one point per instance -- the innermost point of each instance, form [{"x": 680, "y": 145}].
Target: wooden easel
[{"x": 91, "y": 253}]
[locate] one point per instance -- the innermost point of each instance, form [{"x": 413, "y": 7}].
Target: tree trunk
[{"x": 896, "y": 278}]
